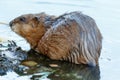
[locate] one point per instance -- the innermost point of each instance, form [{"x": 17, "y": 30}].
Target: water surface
[{"x": 105, "y": 12}]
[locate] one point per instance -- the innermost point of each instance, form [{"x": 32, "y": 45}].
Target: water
[{"x": 105, "y": 12}]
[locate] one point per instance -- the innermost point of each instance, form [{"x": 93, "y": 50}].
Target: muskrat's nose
[{"x": 11, "y": 24}]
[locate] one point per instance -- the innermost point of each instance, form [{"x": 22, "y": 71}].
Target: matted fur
[{"x": 72, "y": 37}]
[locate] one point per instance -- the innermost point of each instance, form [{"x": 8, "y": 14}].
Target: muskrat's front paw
[
  {"x": 11, "y": 43},
  {"x": 12, "y": 46}
]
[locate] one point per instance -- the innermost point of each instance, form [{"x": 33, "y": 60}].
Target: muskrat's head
[
  {"x": 26, "y": 24},
  {"x": 29, "y": 26}
]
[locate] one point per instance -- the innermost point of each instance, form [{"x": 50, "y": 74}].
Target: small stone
[
  {"x": 53, "y": 65},
  {"x": 29, "y": 63}
]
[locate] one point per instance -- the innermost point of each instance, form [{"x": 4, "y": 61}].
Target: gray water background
[{"x": 105, "y": 12}]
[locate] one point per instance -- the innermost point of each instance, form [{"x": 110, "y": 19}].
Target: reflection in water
[
  {"x": 64, "y": 71},
  {"x": 69, "y": 71}
]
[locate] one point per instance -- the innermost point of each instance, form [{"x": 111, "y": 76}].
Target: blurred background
[{"x": 105, "y": 12}]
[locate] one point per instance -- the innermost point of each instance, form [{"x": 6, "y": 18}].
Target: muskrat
[{"x": 72, "y": 37}]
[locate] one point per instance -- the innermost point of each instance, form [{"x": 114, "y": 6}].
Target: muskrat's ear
[
  {"x": 36, "y": 18},
  {"x": 35, "y": 21}
]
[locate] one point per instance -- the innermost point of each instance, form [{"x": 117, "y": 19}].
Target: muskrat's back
[{"x": 72, "y": 37}]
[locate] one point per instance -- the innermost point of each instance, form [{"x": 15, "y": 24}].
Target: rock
[
  {"x": 53, "y": 65},
  {"x": 29, "y": 63}
]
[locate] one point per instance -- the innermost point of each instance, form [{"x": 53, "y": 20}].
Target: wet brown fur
[{"x": 72, "y": 37}]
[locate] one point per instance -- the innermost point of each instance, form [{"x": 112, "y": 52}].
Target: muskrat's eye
[{"x": 22, "y": 19}]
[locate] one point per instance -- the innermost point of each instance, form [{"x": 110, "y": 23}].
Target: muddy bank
[{"x": 33, "y": 66}]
